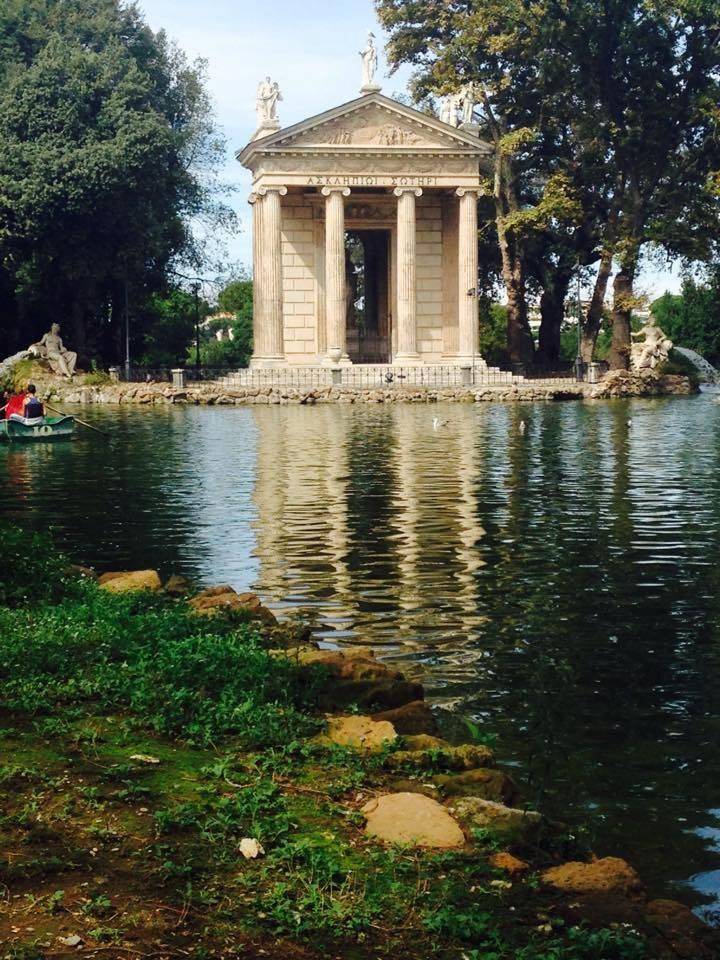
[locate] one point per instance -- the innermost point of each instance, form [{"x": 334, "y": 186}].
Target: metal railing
[{"x": 357, "y": 376}]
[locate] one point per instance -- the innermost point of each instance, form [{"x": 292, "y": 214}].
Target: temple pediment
[{"x": 369, "y": 125}]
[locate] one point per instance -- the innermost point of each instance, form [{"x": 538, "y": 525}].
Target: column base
[
  {"x": 267, "y": 363},
  {"x": 344, "y": 361},
  {"x": 408, "y": 360},
  {"x": 468, "y": 361}
]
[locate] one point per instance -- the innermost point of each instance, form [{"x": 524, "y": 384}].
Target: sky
[{"x": 311, "y": 47}]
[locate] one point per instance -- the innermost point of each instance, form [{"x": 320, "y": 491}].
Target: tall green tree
[
  {"x": 602, "y": 114},
  {"x": 108, "y": 158}
]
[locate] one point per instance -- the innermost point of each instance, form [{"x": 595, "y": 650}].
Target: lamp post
[
  {"x": 196, "y": 289},
  {"x": 127, "y": 332},
  {"x": 579, "y": 365}
]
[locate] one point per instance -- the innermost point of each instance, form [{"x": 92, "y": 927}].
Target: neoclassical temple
[{"x": 365, "y": 232}]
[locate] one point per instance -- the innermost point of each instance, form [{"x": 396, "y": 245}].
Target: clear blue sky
[{"x": 309, "y": 46}]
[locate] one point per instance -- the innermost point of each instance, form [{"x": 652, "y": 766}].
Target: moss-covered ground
[{"x": 140, "y": 743}]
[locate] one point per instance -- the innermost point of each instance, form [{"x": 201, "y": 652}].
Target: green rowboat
[{"x": 51, "y": 428}]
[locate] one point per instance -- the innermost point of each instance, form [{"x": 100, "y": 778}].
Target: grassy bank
[{"x": 140, "y": 743}]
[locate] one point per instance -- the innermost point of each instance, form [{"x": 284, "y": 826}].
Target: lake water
[{"x": 550, "y": 570}]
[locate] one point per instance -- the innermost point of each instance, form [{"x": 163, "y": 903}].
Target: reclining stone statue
[
  {"x": 653, "y": 350},
  {"x": 52, "y": 349}
]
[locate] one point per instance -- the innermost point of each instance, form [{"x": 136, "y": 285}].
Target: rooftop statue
[
  {"x": 52, "y": 349},
  {"x": 369, "y": 66},
  {"x": 268, "y": 95},
  {"x": 449, "y": 108},
  {"x": 653, "y": 350},
  {"x": 467, "y": 102}
]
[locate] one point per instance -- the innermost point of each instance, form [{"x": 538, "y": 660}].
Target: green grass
[{"x": 142, "y": 855}]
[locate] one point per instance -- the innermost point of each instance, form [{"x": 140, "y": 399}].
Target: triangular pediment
[{"x": 370, "y": 123}]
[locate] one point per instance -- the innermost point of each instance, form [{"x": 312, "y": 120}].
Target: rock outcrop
[
  {"x": 610, "y": 875},
  {"x": 359, "y": 732},
  {"x": 129, "y": 580},
  {"x": 214, "y": 600},
  {"x": 411, "y": 818},
  {"x": 508, "y": 824}
]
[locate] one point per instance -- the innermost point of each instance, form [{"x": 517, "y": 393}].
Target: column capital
[
  {"x": 262, "y": 191},
  {"x": 461, "y": 191},
  {"x": 399, "y": 191},
  {"x": 326, "y": 191},
  {"x": 253, "y": 197}
]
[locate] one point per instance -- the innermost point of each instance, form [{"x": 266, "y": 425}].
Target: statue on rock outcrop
[
  {"x": 52, "y": 349},
  {"x": 653, "y": 350}
]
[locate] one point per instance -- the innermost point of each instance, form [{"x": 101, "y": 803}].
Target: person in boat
[{"x": 25, "y": 406}]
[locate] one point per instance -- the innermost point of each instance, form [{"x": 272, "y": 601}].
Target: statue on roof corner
[
  {"x": 449, "y": 109},
  {"x": 369, "y": 66},
  {"x": 268, "y": 95}
]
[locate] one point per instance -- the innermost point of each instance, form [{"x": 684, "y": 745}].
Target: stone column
[
  {"x": 335, "y": 281},
  {"x": 406, "y": 276},
  {"x": 259, "y": 322},
  {"x": 269, "y": 349},
  {"x": 468, "y": 342}
]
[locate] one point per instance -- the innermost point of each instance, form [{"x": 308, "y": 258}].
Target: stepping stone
[{"x": 411, "y": 818}]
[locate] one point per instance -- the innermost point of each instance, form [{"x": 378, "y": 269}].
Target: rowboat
[{"x": 38, "y": 429}]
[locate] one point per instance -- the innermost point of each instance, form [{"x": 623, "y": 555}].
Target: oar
[{"x": 88, "y": 425}]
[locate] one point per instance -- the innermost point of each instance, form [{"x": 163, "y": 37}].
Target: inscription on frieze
[{"x": 351, "y": 180}]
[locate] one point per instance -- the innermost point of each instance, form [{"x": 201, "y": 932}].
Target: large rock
[
  {"x": 465, "y": 757},
  {"x": 126, "y": 581},
  {"x": 488, "y": 784},
  {"x": 411, "y": 818},
  {"x": 508, "y": 824},
  {"x": 359, "y": 732},
  {"x": 608, "y": 875},
  {"x": 214, "y": 600},
  {"x": 687, "y": 936},
  {"x": 178, "y": 586},
  {"x": 358, "y": 678},
  {"x": 508, "y": 863},
  {"x": 411, "y": 719}
]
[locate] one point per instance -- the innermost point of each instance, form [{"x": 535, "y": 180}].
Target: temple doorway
[{"x": 367, "y": 269}]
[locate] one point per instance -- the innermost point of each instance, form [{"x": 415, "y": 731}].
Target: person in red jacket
[{"x": 15, "y": 404}]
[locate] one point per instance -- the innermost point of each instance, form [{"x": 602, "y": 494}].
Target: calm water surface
[{"x": 558, "y": 583}]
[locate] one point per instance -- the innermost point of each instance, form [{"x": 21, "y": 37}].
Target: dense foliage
[
  {"x": 108, "y": 160},
  {"x": 692, "y": 318},
  {"x": 235, "y": 325}
]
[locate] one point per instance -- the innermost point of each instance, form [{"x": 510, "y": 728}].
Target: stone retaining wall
[{"x": 616, "y": 384}]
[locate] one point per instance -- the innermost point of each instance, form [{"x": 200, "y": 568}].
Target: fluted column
[
  {"x": 468, "y": 333},
  {"x": 335, "y": 281},
  {"x": 406, "y": 275},
  {"x": 267, "y": 255},
  {"x": 259, "y": 339}
]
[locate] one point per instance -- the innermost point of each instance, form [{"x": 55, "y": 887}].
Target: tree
[
  {"x": 602, "y": 114},
  {"x": 507, "y": 49},
  {"x": 108, "y": 156},
  {"x": 234, "y": 350}
]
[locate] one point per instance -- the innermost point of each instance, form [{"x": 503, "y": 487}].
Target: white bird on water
[
  {"x": 629, "y": 423},
  {"x": 523, "y": 425},
  {"x": 437, "y": 422}
]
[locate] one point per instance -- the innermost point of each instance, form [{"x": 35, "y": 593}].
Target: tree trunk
[
  {"x": 593, "y": 320},
  {"x": 519, "y": 337},
  {"x": 619, "y": 356},
  {"x": 552, "y": 314}
]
